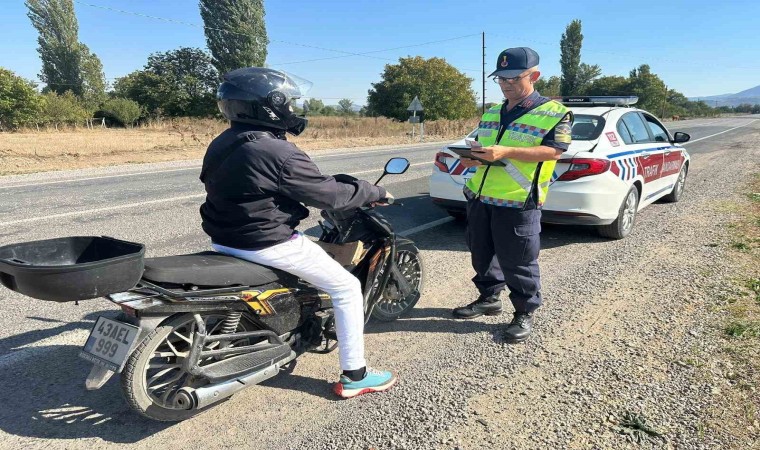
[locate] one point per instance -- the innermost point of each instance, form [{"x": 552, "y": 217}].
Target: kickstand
[{"x": 327, "y": 346}]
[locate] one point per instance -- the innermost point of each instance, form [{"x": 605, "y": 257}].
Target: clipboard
[{"x": 465, "y": 151}]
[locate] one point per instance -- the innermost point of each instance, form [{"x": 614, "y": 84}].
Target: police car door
[
  {"x": 642, "y": 161},
  {"x": 672, "y": 155}
]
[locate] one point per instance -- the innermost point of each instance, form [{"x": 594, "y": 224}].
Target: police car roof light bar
[{"x": 600, "y": 100}]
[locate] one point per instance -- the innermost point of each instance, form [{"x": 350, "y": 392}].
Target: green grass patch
[
  {"x": 753, "y": 284},
  {"x": 741, "y": 246},
  {"x": 743, "y": 329}
]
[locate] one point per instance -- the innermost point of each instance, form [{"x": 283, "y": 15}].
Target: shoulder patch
[{"x": 563, "y": 132}]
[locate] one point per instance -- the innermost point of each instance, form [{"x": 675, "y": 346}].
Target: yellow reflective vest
[{"x": 510, "y": 185}]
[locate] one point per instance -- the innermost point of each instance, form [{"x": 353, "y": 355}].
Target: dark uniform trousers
[{"x": 504, "y": 244}]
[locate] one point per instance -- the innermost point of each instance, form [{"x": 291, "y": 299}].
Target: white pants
[{"x": 305, "y": 259}]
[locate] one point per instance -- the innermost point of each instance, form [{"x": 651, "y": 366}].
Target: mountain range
[{"x": 751, "y": 96}]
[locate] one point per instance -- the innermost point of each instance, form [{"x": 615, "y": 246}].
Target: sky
[{"x": 697, "y": 47}]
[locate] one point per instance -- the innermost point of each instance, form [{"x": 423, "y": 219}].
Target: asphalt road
[{"x": 42, "y": 398}]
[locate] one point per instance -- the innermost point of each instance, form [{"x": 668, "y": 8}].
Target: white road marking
[
  {"x": 98, "y": 210},
  {"x": 42, "y": 183},
  {"x": 425, "y": 226},
  {"x": 725, "y": 131},
  {"x": 197, "y": 167},
  {"x": 146, "y": 202}
]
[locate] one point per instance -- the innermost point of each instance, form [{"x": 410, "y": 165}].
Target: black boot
[
  {"x": 490, "y": 306},
  {"x": 520, "y": 328}
]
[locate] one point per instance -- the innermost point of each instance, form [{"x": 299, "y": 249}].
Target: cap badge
[{"x": 504, "y": 61}]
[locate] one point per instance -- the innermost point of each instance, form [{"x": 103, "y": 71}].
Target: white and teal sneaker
[{"x": 373, "y": 381}]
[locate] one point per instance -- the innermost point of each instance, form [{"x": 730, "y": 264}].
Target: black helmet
[{"x": 262, "y": 96}]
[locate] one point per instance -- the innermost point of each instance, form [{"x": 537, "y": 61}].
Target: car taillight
[
  {"x": 583, "y": 167},
  {"x": 440, "y": 161}
]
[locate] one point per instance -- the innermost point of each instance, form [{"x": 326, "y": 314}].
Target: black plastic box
[{"x": 71, "y": 268}]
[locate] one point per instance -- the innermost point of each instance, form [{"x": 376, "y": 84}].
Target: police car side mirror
[{"x": 681, "y": 137}]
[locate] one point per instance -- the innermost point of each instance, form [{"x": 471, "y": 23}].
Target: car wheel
[
  {"x": 459, "y": 216},
  {"x": 623, "y": 225},
  {"x": 677, "y": 192}
]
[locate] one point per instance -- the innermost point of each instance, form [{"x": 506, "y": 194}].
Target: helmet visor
[{"x": 294, "y": 86}]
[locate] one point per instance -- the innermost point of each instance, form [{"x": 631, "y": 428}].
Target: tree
[
  {"x": 444, "y": 92},
  {"x": 346, "y": 107},
  {"x": 648, "y": 87},
  {"x": 236, "y": 33},
  {"x": 63, "y": 109},
  {"x": 570, "y": 56},
  {"x": 316, "y": 106},
  {"x": 180, "y": 82},
  {"x": 586, "y": 75},
  {"x": 123, "y": 110},
  {"x": 93, "y": 79},
  {"x": 20, "y": 103},
  {"x": 548, "y": 87},
  {"x": 609, "y": 85},
  {"x": 58, "y": 43},
  {"x": 329, "y": 111},
  {"x": 67, "y": 64},
  {"x": 576, "y": 76}
]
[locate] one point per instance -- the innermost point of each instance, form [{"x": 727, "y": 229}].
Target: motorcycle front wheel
[
  {"x": 393, "y": 304},
  {"x": 154, "y": 372}
]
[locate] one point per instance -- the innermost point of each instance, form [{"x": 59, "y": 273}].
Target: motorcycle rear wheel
[{"x": 153, "y": 374}]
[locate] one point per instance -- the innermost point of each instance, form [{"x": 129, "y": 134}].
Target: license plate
[{"x": 109, "y": 343}]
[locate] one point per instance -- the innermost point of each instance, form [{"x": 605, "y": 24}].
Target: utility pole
[
  {"x": 664, "y": 102},
  {"x": 484, "y": 72}
]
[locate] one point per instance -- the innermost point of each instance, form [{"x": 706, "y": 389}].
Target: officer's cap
[{"x": 514, "y": 61}]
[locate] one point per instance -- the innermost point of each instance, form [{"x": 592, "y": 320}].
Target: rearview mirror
[
  {"x": 396, "y": 166},
  {"x": 680, "y": 137}
]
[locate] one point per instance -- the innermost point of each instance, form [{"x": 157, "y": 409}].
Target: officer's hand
[
  {"x": 467, "y": 162},
  {"x": 385, "y": 201},
  {"x": 492, "y": 153}
]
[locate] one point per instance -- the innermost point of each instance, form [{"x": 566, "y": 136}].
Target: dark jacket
[{"x": 256, "y": 184}]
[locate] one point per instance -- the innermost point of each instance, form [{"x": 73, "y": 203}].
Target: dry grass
[
  {"x": 740, "y": 412},
  {"x": 168, "y": 140}
]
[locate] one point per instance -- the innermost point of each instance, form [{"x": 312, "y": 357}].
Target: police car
[{"x": 621, "y": 159}]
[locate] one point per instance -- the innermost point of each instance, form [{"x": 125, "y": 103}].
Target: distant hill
[{"x": 751, "y": 96}]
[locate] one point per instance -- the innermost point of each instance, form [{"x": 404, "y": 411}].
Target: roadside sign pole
[
  {"x": 414, "y": 114},
  {"x": 414, "y": 107}
]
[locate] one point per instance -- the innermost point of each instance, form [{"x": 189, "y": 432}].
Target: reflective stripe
[
  {"x": 494, "y": 125},
  {"x": 497, "y": 201},
  {"x": 518, "y": 176},
  {"x": 485, "y": 133},
  {"x": 545, "y": 113},
  {"x": 545, "y": 184}
]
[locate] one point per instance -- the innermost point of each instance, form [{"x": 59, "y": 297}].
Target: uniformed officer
[{"x": 523, "y": 138}]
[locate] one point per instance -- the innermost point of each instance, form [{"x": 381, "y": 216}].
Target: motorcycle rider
[{"x": 256, "y": 186}]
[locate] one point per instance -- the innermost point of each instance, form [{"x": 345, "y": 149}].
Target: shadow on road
[
  {"x": 14, "y": 342},
  {"x": 432, "y": 320},
  {"x": 451, "y": 237},
  {"x": 43, "y": 396},
  {"x": 314, "y": 386}
]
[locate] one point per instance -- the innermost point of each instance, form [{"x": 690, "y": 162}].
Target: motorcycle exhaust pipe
[{"x": 189, "y": 398}]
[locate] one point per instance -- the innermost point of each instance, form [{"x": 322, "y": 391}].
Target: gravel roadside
[{"x": 614, "y": 362}]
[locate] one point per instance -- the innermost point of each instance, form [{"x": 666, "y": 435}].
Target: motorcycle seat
[{"x": 209, "y": 269}]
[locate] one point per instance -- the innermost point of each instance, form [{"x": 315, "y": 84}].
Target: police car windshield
[{"x": 586, "y": 127}]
